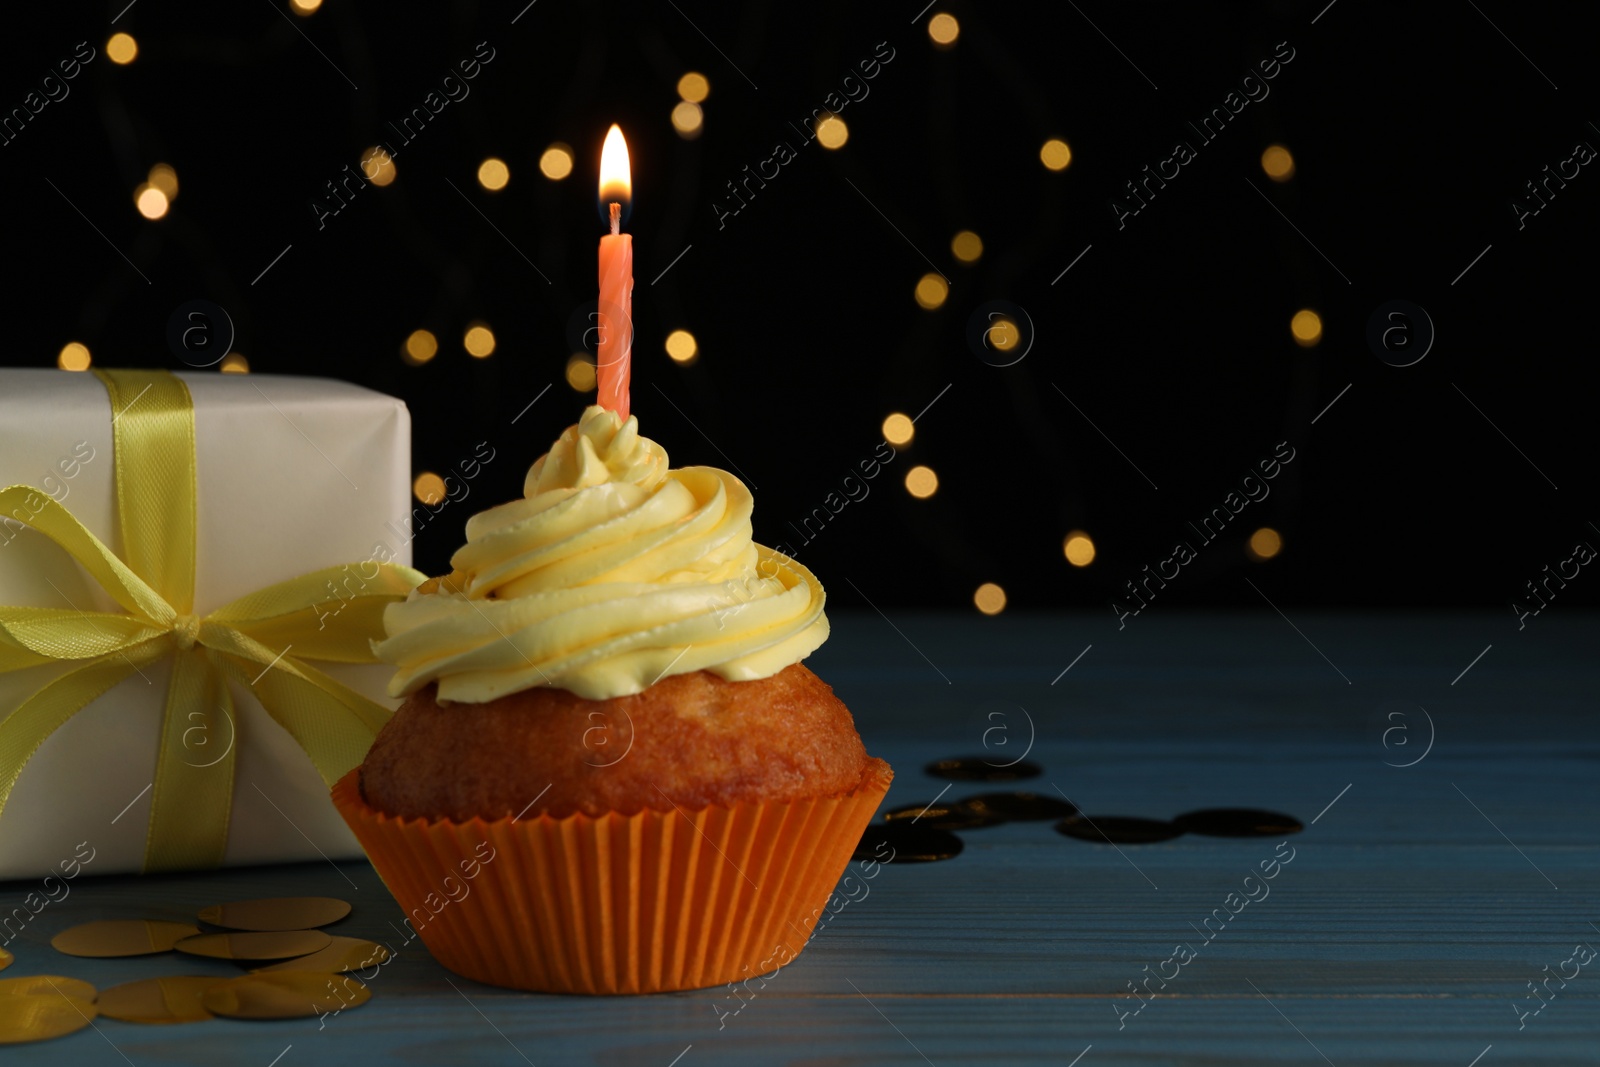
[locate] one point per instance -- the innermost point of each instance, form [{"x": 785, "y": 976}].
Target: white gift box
[{"x": 292, "y": 475}]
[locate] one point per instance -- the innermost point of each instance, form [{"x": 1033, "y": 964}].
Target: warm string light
[
  {"x": 556, "y": 163},
  {"x": 1055, "y": 154},
  {"x": 122, "y": 49},
  {"x": 966, "y": 246},
  {"x": 898, "y": 430},
  {"x": 990, "y": 598},
  {"x": 1003, "y": 333},
  {"x": 1078, "y": 548},
  {"x": 163, "y": 177},
  {"x": 931, "y": 291},
  {"x": 1265, "y": 543},
  {"x": 154, "y": 197},
  {"x": 420, "y": 347},
  {"x": 378, "y": 167},
  {"x": 428, "y": 488},
  {"x": 1306, "y": 326},
  {"x": 681, "y": 346},
  {"x": 1277, "y": 163},
  {"x": 687, "y": 119},
  {"x": 581, "y": 374},
  {"x": 921, "y": 482},
  {"x": 693, "y": 88},
  {"x": 943, "y": 29},
  {"x": 493, "y": 174},
  {"x": 73, "y": 356},
  {"x": 155, "y": 194},
  {"x": 832, "y": 132},
  {"x": 151, "y": 202},
  {"x": 478, "y": 341}
]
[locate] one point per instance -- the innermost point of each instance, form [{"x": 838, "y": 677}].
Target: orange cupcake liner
[{"x": 641, "y": 903}]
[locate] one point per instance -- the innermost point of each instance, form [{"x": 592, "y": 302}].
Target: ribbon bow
[{"x": 249, "y": 640}]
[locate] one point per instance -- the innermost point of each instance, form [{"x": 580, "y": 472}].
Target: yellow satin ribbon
[{"x": 317, "y": 616}]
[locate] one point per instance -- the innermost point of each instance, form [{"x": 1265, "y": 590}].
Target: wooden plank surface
[{"x": 1404, "y": 930}]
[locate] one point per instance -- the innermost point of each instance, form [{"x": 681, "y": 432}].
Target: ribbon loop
[{"x": 30, "y": 636}]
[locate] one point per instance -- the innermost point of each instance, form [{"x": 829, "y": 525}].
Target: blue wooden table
[{"x": 1444, "y": 766}]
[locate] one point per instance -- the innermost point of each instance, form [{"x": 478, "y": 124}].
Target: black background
[{"x": 1412, "y": 130}]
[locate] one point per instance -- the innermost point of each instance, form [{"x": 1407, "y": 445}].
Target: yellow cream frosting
[{"x": 611, "y": 573}]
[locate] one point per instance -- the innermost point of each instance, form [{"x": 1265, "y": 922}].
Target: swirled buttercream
[{"x": 611, "y": 573}]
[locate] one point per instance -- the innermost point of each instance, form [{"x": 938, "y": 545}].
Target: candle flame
[{"x": 616, "y": 176}]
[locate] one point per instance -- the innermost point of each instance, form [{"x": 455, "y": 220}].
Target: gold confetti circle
[
  {"x": 277, "y": 913},
  {"x": 6, "y": 959},
  {"x": 287, "y": 995},
  {"x": 41, "y": 1016},
  {"x": 41, "y": 984},
  {"x": 121, "y": 937},
  {"x": 345, "y": 954},
  {"x": 262, "y": 945},
  {"x": 173, "y": 999}
]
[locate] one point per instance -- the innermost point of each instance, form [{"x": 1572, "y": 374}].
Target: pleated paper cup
[{"x": 641, "y": 903}]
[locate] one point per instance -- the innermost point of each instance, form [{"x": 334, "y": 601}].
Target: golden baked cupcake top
[{"x": 612, "y": 572}]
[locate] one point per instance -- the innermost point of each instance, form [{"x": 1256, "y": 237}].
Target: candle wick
[{"x": 616, "y": 219}]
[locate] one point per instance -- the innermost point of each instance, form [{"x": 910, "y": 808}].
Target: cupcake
[{"x": 612, "y": 773}]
